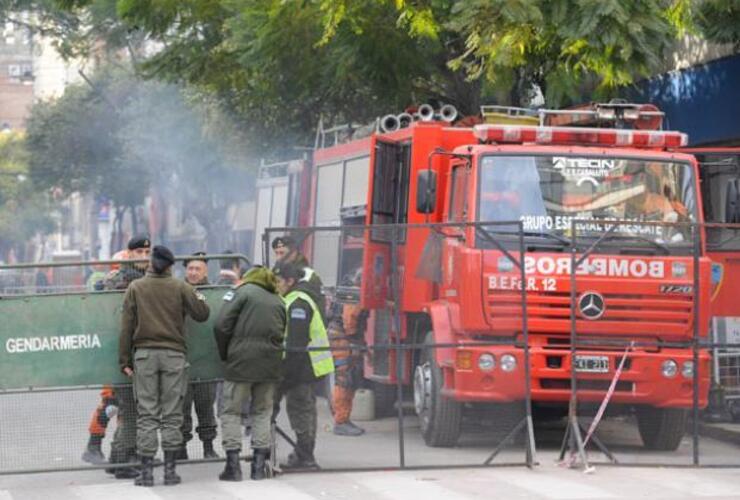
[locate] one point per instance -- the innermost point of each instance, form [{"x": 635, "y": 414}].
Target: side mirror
[
  {"x": 426, "y": 191},
  {"x": 732, "y": 202}
]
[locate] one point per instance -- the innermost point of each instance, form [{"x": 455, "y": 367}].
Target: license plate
[{"x": 592, "y": 364}]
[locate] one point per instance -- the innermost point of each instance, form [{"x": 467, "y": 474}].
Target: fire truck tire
[
  {"x": 384, "y": 396},
  {"x": 662, "y": 428},
  {"x": 440, "y": 418}
]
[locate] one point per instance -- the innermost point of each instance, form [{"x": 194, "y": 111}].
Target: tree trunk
[
  {"x": 134, "y": 220},
  {"x": 117, "y": 237}
]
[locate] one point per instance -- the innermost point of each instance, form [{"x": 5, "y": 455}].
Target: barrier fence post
[
  {"x": 530, "y": 450},
  {"x": 395, "y": 300},
  {"x": 695, "y": 342}
]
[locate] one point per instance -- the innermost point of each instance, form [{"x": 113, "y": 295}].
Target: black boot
[
  {"x": 132, "y": 471},
  {"x": 208, "y": 451},
  {"x": 93, "y": 453},
  {"x": 146, "y": 477},
  {"x": 302, "y": 456},
  {"x": 260, "y": 456},
  {"x": 232, "y": 471},
  {"x": 182, "y": 453},
  {"x": 170, "y": 476}
]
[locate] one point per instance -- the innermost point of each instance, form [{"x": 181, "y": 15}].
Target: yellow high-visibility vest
[{"x": 321, "y": 360}]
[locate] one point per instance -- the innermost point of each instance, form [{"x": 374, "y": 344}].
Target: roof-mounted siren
[
  {"x": 390, "y": 123},
  {"x": 614, "y": 114},
  {"x": 404, "y": 120},
  {"x": 448, "y": 113},
  {"x": 425, "y": 113}
]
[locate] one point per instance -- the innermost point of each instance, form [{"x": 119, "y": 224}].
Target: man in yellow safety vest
[{"x": 307, "y": 359}]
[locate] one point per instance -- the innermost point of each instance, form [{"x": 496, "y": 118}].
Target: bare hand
[{"x": 128, "y": 371}]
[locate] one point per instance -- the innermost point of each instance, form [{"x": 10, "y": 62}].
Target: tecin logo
[{"x": 583, "y": 169}]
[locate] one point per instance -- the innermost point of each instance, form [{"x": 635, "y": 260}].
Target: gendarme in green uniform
[
  {"x": 152, "y": 344},
  {"x": 250, "y": 331}
]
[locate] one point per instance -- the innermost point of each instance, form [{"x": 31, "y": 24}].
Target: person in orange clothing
[
  {"x": 345, "y": 331},
  {"x": 107, "y": 408}
]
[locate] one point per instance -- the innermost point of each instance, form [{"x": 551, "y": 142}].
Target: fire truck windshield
[{"x": 547, "y": 192}]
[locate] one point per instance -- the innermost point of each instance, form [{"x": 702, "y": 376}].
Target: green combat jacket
[
  {"x": 153, "y": 314},
  {"x": 250, "y": 329}
]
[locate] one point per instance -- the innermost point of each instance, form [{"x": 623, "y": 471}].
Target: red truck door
[
  {"x": 387, "y": 203},
  {"x": 719, "y": 172}
]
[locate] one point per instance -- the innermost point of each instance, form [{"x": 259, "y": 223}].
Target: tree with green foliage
[
  {"x": 564, "y": 48},
  {"x": 279, "y": 65},
  {"x": 24, "y": 210},
  {"x": 719, "y": 21}
]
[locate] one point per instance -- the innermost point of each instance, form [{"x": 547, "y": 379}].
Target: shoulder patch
[
  {"x": 298, "y": 313},
  {"x": 229, "y": 296}
]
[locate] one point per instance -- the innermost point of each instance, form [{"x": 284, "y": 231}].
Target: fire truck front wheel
[
  {"x": 440, "y": 418},
  {"x": 661, "y": 428}
]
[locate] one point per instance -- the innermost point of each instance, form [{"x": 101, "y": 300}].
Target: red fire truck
[{"x": 544, "y": 170}]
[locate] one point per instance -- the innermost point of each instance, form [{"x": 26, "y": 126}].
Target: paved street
[
  {"x": 48, "y": 447},
  {"x": 547, "y": 481},
  {"x": 55, "y": 432}
]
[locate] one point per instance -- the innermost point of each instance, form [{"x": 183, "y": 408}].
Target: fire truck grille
[{"x": 553, "y": 309}]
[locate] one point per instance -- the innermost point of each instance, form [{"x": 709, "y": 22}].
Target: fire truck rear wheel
[
  {"x": 662, "y": 428},
  {"x": 440, "y": 418}
]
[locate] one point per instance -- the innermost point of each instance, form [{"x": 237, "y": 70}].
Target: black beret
[
  {"x": 163, "y": 254},
  {"x": 287, "y": 241},
  {"x": 139, "y": 241},
  {"x": 288, "y": 270},
  {"x": 201, "y": 256}
]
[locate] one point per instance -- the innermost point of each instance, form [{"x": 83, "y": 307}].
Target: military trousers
[
  {"x": 160, "y": 382},
  {"x": 202, "y": 395},
  {"x": 300, "y": 403},
  {"x": 262, "y": 395}
]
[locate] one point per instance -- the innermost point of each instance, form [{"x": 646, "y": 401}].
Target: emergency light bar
[{"x": 580, "y": 136}]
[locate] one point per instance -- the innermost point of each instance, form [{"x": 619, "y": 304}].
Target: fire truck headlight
[
  {"x": 669, "y": 368},
  {"x": 508, "y": 363},
  {"x": 486, "y": 362},
  {"x": 687, "y": 369}
]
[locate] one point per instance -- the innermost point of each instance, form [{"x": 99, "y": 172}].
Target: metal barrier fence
[
  {"x": 459, "y": 342},
  {"x": 625, "y": 392}
]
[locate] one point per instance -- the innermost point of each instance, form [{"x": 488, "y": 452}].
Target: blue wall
[{"x": 703, "y": 101}]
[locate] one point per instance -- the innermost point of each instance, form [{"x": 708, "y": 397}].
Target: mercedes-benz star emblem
[{"x": 591, "y": 305}]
